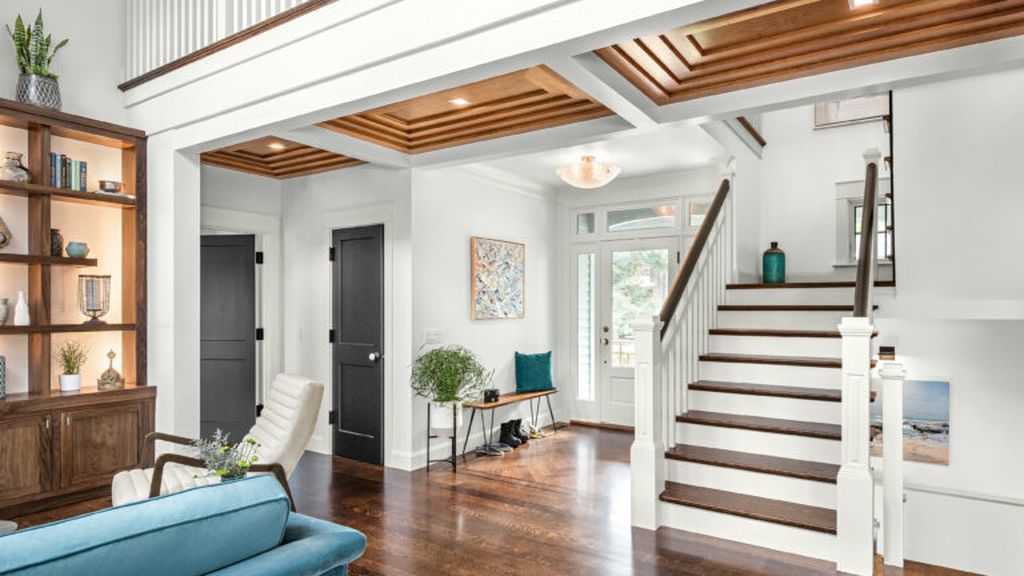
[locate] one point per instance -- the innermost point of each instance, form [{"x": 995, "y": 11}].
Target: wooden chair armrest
[
  {"x": 152, "y": 437},
  {"x": 158, "y": 469},
  {"x": 278, "y": 471}
]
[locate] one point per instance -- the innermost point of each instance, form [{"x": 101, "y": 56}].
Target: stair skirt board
[
  {"x": 780, "y": 537},
  {"x": 809, "y": 492},
  {"x": 771, "y": 374},
  {"x": 789, "y": 319},
  {"x": 775, "y": 346},
  {"x": 767, "y": 406},
  {"x": 768, "y": 443}
]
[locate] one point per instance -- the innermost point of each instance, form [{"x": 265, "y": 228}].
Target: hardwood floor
[{"x": 559, "y": 505}]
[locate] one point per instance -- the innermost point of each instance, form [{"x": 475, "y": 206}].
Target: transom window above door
[{"x": 651, "y": 219}]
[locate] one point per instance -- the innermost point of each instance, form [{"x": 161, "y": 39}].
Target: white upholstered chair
[{"x": 282, "y": 430}]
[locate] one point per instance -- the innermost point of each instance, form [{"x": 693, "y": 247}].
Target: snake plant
[{"x": 33, "y": 47}]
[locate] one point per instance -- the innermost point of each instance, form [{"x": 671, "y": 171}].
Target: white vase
[
  {"x": 441, "y": 418},
  {"x": 70, "y": 382},
  {"x": 21, "y": 315}
]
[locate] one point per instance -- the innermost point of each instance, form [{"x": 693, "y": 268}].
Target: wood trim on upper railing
[
  {"x": 754, "y": 133},
  {"x": 226, "y": 42},
  {"x": 868, "y": 260},
  {"x": 675, "y": 294}
]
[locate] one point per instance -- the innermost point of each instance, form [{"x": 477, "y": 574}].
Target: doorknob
[{"x": 374, "y": 356}]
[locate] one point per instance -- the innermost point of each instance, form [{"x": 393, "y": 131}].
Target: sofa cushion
[
  {"x": 188, "y": 533},
  {"x": 533, "y": 372}
]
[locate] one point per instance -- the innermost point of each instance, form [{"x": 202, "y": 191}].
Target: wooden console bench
[{"x": 507, "y": 400}]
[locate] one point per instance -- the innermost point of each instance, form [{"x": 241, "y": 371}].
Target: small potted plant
[
  {"x": 448, "y": 376},
  {"x": 229, "y": 462},
  {"x": 72, "y": 357},
  {"x": 35, "y": 52}
]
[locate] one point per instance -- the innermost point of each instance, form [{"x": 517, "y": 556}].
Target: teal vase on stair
[{"x": 773, "y": 265}]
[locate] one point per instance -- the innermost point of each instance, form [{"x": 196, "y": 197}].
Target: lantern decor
[
  {"x": 110, "y": 379},
  {"x": 94, "y": 297}
]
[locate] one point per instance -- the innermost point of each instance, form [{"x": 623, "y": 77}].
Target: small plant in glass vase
[
  {"x": 448, "y": 376},
  {"x": 71, "y": 356},
  {"x": 227, "y": 461}
]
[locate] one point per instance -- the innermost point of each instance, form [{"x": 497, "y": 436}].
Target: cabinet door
[
  {"x": 96, "y": 443},
  {"x": 25, "y": 457}
]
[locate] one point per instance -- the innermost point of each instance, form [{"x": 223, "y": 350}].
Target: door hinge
[
  {"x": 259, "y": 334},
  {"x": 332, "y": 417},
  {"x": 330, "y": 335},
  {"x": 259, "y": 257},
  {"x": 678, "y": 256},
  {"x": 333, "y": 254}
]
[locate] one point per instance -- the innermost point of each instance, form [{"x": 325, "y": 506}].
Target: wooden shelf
[
  {"x": 52, "y": 260},
  {"x": 66, "y": 195},
  {"x": 65, "y": 328}
]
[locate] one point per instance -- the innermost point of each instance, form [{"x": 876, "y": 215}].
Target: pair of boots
[{"x": 512, "y": 433}]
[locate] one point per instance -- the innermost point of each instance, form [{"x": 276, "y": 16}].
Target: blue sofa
[{"x": 228, "y": 529}]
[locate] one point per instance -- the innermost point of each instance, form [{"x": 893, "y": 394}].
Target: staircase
[{"x": 757, "y": 449}]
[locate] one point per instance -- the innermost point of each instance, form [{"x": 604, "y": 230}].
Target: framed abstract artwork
[{"x": 499, "y": 279}]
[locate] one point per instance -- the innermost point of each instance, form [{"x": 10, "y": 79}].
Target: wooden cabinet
[{"x": 60, "y": 448}]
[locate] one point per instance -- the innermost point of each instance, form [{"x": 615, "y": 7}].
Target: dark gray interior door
[
  {"x": 228, "y": 333},
  {"x": 358, "y": 372}
]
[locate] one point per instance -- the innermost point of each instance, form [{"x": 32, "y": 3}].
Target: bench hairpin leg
[{"x": 554, "y": 428}]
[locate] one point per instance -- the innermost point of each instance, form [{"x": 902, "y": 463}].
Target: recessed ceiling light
[
  {"x": 459, "y": 102},
  {"x": 854, "y": 4},
  {"x": 276, "y": 146}
]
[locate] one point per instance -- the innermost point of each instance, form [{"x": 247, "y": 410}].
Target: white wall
[
  {"x": 233, "y": 190},
  {"x": 449, "y": 207},
  {"x": 799, "y": 171},
  {"x": 89, "y": 66}
]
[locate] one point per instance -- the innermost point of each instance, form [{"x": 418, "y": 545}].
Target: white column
[
  {"x": 855, "y": 484},
  {"x": 647, "y": 455},
  {"x": 892, "y": 376}
]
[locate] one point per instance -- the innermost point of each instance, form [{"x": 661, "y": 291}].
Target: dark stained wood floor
[{"x": 559, "y": 505}]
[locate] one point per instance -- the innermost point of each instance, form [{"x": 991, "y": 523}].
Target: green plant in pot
[
  {"x": 35, "y": 51},
  {"x": 226, "y": 460},
  {"x": 71, "y": 356},
  {"x": 448, "y": 376}
]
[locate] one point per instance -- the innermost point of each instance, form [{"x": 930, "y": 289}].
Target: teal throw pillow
[{"x": 533, "y": 372}]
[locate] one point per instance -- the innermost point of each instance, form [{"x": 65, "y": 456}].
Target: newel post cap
[
  {"x": 872, "y": 155},
  {"x": 892, "y": 371},
  {"x": 856, "y": 326}
]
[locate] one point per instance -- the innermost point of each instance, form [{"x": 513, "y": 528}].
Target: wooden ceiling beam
[{"x": 297, "y": 160}]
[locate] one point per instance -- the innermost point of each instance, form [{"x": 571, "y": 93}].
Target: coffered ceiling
[
  {"x": 793, "y": 38},
  {"x": 277, "y": 158},
  {"x": 514, "y": 103}
]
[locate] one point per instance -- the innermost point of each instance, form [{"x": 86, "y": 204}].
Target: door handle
[{"x": 373, "y": 357}]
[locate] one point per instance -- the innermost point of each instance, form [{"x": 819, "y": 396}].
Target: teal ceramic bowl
[{"x": 77, "y": 249}]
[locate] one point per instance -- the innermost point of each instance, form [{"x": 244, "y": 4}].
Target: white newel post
[
  {"x": 892, "y": 376},
  {"x": 855, "y": 510},
  {"x": 647, "y": 455}
]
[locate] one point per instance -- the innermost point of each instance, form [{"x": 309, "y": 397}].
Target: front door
[
  {"x": 634, "y": 281},
  {"x": 227, "y": 319},
  {"x": 358, "y": 336}
]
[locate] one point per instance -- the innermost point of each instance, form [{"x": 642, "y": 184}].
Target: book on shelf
[{"x": 66, "y": 172}]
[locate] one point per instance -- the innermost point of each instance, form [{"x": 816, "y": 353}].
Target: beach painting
[
  {"x": 925, "y": 422},
  {"x": 499, "y": 285}
]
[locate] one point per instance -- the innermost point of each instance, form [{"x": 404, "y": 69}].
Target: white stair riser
[
  {"x": 754, "y": 441},
  {"x": 771, "y": 374},
  {"x": 775, "y": 346},
  {"x": 790, "y": 296},
  {"x": 784, "y": 319},
  {"x": 767, "y": 406},
  {"x": 810, "y": 492},
  {"x": 755, "y": 532}
]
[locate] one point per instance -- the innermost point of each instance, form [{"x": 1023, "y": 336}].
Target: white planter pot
[
  {"x": 70, "y": 382},
  {"x": 441, "y": 418}
]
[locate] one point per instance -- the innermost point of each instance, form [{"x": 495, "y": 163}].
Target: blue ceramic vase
[
  {"x": 773, "y": 265},
  {"x": 77, "y": 249}
]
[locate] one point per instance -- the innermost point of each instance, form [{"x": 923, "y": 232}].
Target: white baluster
[
  {"x": 891, "y": 376},
  {"x": 647, "y": 455}
]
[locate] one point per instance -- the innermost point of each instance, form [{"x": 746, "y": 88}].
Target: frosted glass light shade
[{"x": 588, "y": 173}]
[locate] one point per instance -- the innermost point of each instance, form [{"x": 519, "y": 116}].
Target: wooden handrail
[
  {"x": 675, "y": 294},
  {"x": 868, "y": 260}
]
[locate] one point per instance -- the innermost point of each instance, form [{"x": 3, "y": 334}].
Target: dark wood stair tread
[
  {"x": 787, "y": 308},
  {"x": 762, "y": 424},
  {"x": 849, "y": 284},
  {"x": 806, "y": 361},
  {"x": 797, "y": 392},
  {"x": 803, "y": 469},
  {"x": 777, "y": 333},
  {"x": 777, "y": 511}
]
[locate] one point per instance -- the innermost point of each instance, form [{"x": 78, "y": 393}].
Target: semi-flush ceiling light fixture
[
  {"x": 588, "y": 173},
  {"x": 854, "y": 4}
]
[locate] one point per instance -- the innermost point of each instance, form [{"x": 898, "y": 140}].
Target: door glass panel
[
  {"x": 586, "y": 316},
  {"x": 649, "y": 218},
  {"x": 639, "y": 287}
]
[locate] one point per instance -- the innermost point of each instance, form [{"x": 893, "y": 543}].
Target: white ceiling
[{"x": 667, "y": 148}]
